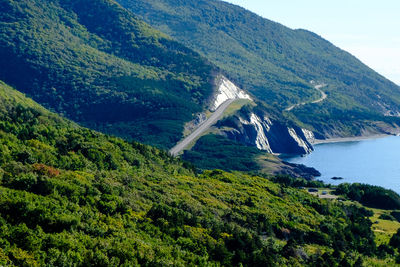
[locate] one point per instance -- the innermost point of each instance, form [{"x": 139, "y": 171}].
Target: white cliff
[
  {"x": 227, "y": 90},
  {"x": 309, "y": 136},
  {"x": 301, "y": 142},
  {"x": 271, "y": 136},
  {"x": 259, "y": 130},
  {"x": 261, "y": 140}
]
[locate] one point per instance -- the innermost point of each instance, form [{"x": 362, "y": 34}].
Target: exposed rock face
[
  {"x": 226, "y": 90},
  {"x": 257, "y": 129},
  {"x": 266, "y": 134},
  {"x": 309, "y": 135},
  {"x": 299, "y": 137},
  {"x": 298, "y": 170},
  {"x": 192, "y": 125},
  {"x": 364, "y": 129}
]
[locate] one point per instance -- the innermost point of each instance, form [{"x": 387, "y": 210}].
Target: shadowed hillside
[
  {"x": 96, "y": 63},
  {"x": 276, "y": 64}
]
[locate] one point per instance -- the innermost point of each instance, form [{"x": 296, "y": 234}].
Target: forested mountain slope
[
  {"x": 276, "y": 63},
  {"x": 97, "y": 64},
  {"x": 72, "y": 196}
]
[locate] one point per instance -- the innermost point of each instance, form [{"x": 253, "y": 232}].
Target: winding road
[
  {"x": 322, "y": 98},
  {"x": 178, "y": 148},
  {"x": 201, "y": 129}
]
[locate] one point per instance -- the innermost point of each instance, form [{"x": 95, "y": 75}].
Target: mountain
[
  {"x": 281, "y": 66},
  {"x": 120, "y": 76},
  {"x": 73, "y": 196},
  {"x": 97, "y": 64}
]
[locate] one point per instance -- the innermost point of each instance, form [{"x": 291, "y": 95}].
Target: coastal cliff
[
  {"x": 254, "y": 126},
  {"x": 225, "y": 90},
  {"x": 266, "y": 134}
]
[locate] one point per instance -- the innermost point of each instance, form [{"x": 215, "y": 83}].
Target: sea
[{"x": 370, "y": 161}]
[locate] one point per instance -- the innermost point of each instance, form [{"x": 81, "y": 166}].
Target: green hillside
[
  {"x": 96, "y": 63},
  {"x": 74, "y": 197},
  {"x": 276, "y": 63}
]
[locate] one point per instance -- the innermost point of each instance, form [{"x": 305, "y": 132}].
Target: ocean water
[{"x": 373, "y": 161}]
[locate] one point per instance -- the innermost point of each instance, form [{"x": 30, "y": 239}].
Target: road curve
[
  {"x": 201, "y": 129},
  {"x": 322, "y": 98}
]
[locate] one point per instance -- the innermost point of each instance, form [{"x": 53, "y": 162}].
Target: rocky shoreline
[
  {"x": 349, "y": 139},
  {"x": 298, "y": 170}
]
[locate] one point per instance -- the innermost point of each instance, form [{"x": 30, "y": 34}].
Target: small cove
[{"x": 372, "y": 161}]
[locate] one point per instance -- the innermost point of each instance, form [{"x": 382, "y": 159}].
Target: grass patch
[
  {"x": 374, "y": 262},
  {"x": 269, "y": 163},
  {"x": 383, "y": 229},
  {"x": 236, "y": 106}
]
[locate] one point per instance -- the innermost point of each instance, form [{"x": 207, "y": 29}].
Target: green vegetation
[
  {"x": 213, "y": 151},
  {"x": 387, "y": 217},
  {"x": 96, "y": 63},
  {"x": 297, "y": 182},
  {"x": 384, "y": 205},
  {"x": 384, "y": 226},
  {"x": 217, "y": 152},
  {"x": 236, "y": 106},
  {"x": 370, "y": 195},
  {"x": 72, "y": 196},
  {"x": 276, "y": 64}
]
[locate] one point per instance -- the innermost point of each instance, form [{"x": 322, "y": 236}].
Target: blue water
[{"x": 375, "y": 161}]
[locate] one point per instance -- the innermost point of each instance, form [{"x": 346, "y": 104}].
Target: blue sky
[{"x": 368, "y": 29}]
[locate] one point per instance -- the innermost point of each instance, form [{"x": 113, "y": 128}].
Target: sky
[{"x": 368, "y": 29}]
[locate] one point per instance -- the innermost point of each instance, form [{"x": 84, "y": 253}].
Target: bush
[
  {"x": 370, "y": 195},
  {"x": 387, "y": 217}
]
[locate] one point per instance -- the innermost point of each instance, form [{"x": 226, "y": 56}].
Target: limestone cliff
[
  {"x": 267, "y": 134},
  {"x": 225, "y": 90},
  {"x": 254, "y": 128}
]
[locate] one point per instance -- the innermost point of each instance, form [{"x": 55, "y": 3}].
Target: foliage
[
  {"x": 297, "y": 182},
  {"x": 72, "y": 196},
  {"x": 96, "y": 63},
  {"x": 370, "y": 195},
  {"x": 276, "y": 63},
  {"x": 218, "y": 152},
  {"x": 387, "y": 217},
  {"x": 395, "y": 240}
]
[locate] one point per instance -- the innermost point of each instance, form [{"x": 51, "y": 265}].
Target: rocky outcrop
[
  {"x": 226, "y": 90},
  {"x": 362, "y": 129},
  {"x": 257, "y": 129},
  {"x": 309, "y": 135},
  {"x": 298, "y": 171},
  {"x": 266, "y": 134},
  {"x": 192, "y": 125}
]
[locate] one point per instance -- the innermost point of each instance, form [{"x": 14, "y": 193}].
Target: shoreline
[{"x": 349, "y": 139}]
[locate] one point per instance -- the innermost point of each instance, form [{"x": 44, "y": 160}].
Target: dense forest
[
  {"x": 122, "y": 77},
  {"x": 276, "y": 64},
  {"x": 217, "y": 152},
  {"x": 96, "y": 63},
  {"x": 72, "y": 196},
  {"x": 371, "y": 196}
]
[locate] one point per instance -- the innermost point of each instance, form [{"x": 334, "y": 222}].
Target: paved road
[
  {"x": 322, "y": 98},
  {"x": 202, "y": 128}
]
